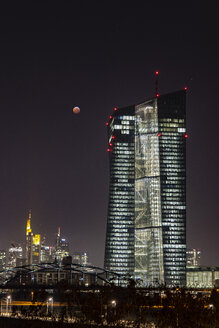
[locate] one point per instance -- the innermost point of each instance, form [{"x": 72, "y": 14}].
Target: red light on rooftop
[
  {"x": 113, "y": 137},
  {"x": 159, "y": 134},
  {"x": 110, "y": 117},
  {"x": 110, "y": 144},
  {"x": 157, "y": 73},
  {"x": 185, "y": 88},
  {"x": 108, "y": 149},
  {"x": 115, "y": 108},
  {"x": 185, "y": 135},
  {"x": 107, "y": 123},
  {"x": 157, "y": 95}
]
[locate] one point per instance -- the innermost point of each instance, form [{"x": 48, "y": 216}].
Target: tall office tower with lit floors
[
  {"x": 33, "y": 244},
  {"x": 146, "y": 225},
  {"x": 119, "y": 250}
]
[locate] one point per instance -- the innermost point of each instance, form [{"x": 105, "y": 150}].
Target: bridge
[{"x": 51, "y": 274}]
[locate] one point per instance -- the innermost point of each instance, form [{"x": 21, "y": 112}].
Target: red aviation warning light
[
  {"x": 113, "y": 137},
  {"x": 156, "y": 84},
  {"x": 115, "y": 108},
  {"x": 107, "y": 123},
  {"x": 159, "y": 134},
  {"x": 186, "y": 135},
  {"x": 108, "y": 149},
  {"x": 185, "y": 88},
  {"x": 110, "y": 117}
]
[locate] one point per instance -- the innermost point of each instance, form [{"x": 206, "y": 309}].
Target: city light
[{"x": 113, "y": 302}]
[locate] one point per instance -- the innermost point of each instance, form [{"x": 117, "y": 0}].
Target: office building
[
  {"x": 47, "y": 254},
  {"x": 15, "y": 256},
  {"x": 2, "y": 260},
  {"x": 202, "y": 277},
  {"x": 61, "y": 248},
  {"x": 29, "y": 240},
  {"x": 80, "y": 258},
  {"x": 146, "y": 224},
  {"x": 36, "y": 249},
  {"x": 193, "y": 257},
  {"x": 33, "y": 244}
]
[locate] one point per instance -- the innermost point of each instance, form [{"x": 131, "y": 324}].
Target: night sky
[{"x": 99, "y": 54}]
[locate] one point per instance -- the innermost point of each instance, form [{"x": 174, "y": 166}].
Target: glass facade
[
  {"x": 146, "y": 226},
  {"x": 119, "y": 250},
  {"x": 203, "y": 277},
  {"x": 172, "y": 148}
]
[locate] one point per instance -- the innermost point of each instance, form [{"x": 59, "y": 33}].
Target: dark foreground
[
  {"x": 22, "y": 323},
  {"x": 112, "y": 307}
]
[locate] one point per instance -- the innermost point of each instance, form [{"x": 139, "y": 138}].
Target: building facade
[
  {"x": 2, "y": 260},
  {"x": 61, "y": 248},
  {"x": 80, "y": 258},
  {"x": 15, "y": 256},
  {"x": 193, "y": 257},
  {"x": 202, "y": 277},
  {"x": 146, "y": 225},
  {"x": 33, "y": 244}
]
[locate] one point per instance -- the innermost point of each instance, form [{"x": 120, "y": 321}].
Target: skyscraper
[
  {"x": 62, "y": 247},
  {"x": 193, "y": 257},
  {"x": 146, "y": 225},
  {"x": 2, "y": 260},
  {"x": 33, "y": 244},
  {"x": 15, "y": 255},
  {"x": 80, "y": 258},
  {"x": 29, "y": 241}
]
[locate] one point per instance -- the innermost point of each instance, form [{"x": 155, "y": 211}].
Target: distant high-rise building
[
  {"x": 62, "y": 247},
  {"x": 2, "y": 260},
  {"x": 80, "y": 258},
  {"x": 193, "y": 257},
  {"x": 29, "y": 241},
  {"x": 47, "y": 252},
  {"x": 33, "y": 244},
  {"x": 146, "y": 225},
  {"x": 36, "y": 253},
  {"x": 15, "y": 256},
  {"x": 202, "y": 277}
]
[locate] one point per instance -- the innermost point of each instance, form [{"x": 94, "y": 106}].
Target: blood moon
[{"x": 76, "y": 110}]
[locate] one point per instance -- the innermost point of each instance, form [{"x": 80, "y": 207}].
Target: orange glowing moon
[{"x": 76, "y": 110}]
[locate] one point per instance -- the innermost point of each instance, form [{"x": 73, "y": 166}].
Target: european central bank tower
[{"x": 146, "y": 224}]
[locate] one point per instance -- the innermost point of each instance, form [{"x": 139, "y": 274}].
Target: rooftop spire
[{"x": 28, "y": 228}]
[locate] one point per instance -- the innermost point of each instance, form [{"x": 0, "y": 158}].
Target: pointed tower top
[
  {"x": 59, "y": 234},
  {"x": 28, "y": 228}
]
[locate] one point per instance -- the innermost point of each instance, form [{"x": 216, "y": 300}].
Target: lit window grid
[
  {"x": 173, "y": 197},
  {"x": 119, "y": 252},
  {"x": 148, "y": 229}
]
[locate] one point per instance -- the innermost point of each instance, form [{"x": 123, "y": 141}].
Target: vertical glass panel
[{"x": 148, "y": 230}]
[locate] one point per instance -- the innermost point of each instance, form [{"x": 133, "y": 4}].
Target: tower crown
[{"x": 28, "y": 228}]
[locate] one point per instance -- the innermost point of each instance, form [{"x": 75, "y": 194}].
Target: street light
[
  {"x": 49, "y": 302},
  {"x": 8, "y": 301},
  {"x": 113, "y": 303}
]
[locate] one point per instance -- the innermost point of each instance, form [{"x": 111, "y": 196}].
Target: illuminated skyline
[{"x": 97, "y": 57}]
